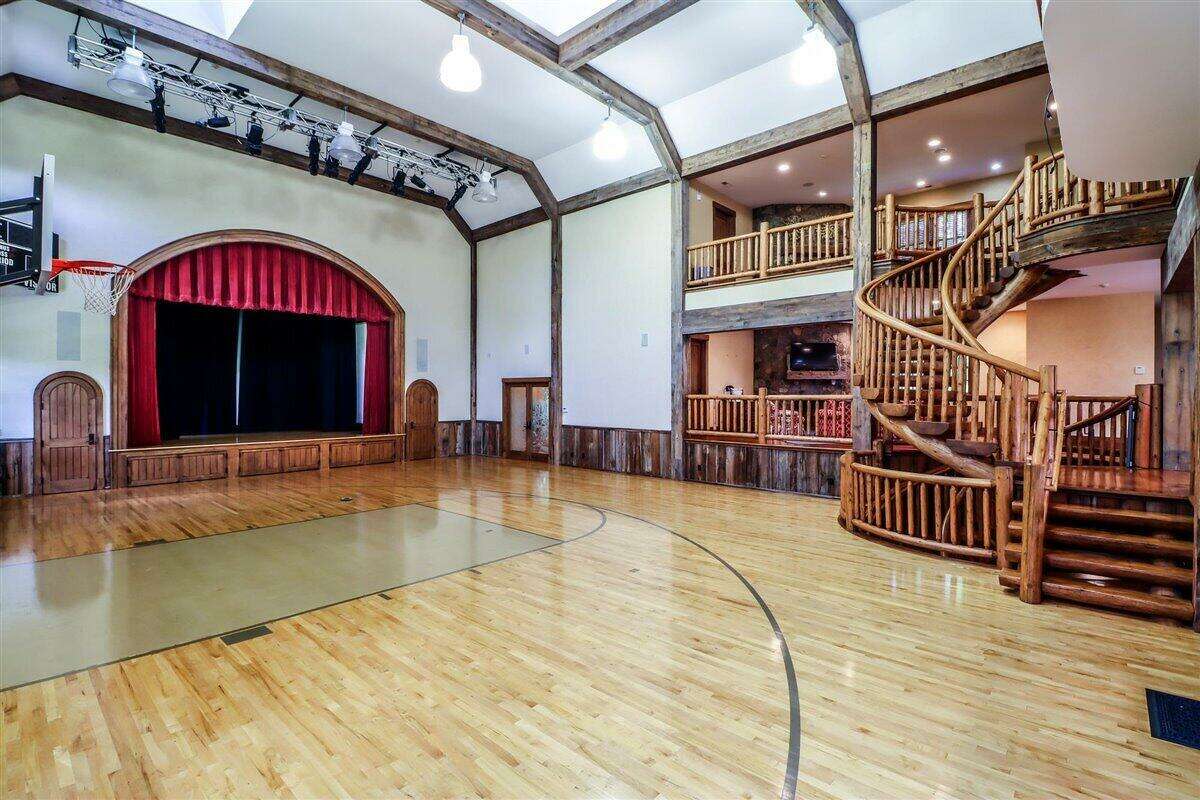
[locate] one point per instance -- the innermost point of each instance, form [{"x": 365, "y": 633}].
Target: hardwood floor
[{"x": 627, "y": 662}]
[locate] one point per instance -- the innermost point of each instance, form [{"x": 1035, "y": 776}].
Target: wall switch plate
[
  {"x": 526, "y": 349},
  {"x": 1139, "y": 370},
  {"x": 645, "y": 340}
]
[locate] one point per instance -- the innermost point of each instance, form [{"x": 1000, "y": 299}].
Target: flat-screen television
[{"x": 813, "y": 357}]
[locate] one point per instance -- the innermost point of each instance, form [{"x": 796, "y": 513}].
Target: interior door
[
  {"x": 724, "y": 222},
  {"x": 421, "y": 407},
  {"x": 68, "y": 435},
  {"x": 526, "y": 426},
  {"x": 696, "y": 376}
]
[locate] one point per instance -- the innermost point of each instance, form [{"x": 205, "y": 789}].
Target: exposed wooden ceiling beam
[
  {"x": 619, "y": 26},
  {"x": 514, "y": 35},
  {"x": 14, "y": 85},
  {"x": 988, "y": 73},
  {"x": 216, "y": 50},
  {"x": 839, "y": 30}
]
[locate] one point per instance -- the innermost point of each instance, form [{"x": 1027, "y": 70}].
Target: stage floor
[{"x": 682, "y": 640}]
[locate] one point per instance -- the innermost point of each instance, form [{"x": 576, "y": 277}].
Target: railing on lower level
[
  {"x": 1054, "y": 194},
  {"x": 811, "y": 246},
  {"x": 769, "y": 418},
  {"x": 905, "y": 231},
  {"x": 965, "y": 517}
]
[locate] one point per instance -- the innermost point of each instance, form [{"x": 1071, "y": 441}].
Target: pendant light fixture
[
  {"x": 609, "y": 142},
  {"x": 130, "y": 78},
  {"x": 485, "y": 190},
  {"x": 815, "y": 62},
  {"x": 344, "y": 147},
  {"x": 460, "y": 70}
]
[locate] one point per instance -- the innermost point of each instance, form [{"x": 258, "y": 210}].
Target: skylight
[
  {"x": 556, "y": 17},
  {"x": 218, "y": 17}
]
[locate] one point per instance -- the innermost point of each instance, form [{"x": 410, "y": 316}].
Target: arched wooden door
[
  {"x": 68, "y": 434},
  {"x": 421, "y": 406}
]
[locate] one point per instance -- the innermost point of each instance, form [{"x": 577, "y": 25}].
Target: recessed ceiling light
[
  {"x": 943, "y": 155},
  {"x": 921, "y": 184},
  {"x": 935, "y": 142},
  {"x": 807, "y": 184},
  {"x": 724, "y": 183},
  {"x": 1103, "y": 285},
  {"x": 822, "y": 193},
  {"x": 996, "y": 166},
  {"x": 1053, "y": 105},
  {"x": 784, "y": 167}
]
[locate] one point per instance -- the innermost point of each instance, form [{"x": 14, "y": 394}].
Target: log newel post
[
  {"x": 764, "y": 250},
  {"x": 1027, "y": 211},
  {"x": 1036, "y": 500},
  {"x": 976, "y": 210},
  {"x": 762, "y": 415},
  {"x": 889, "y": 227},
  {"x": 1004, "y": 489},
  {"x": 1095, "y": 198}
]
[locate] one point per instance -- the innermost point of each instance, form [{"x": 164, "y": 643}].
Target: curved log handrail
[{"x": 1101, "y": 416}]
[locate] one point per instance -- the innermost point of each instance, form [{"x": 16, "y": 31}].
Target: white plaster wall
[
  {"x": 731, "y": 361},
  {"x": 122, "y": 191},
  {"x": 616, "y": 286},
  {"x": 799, "y": 286},
  {"x": 513, "y": 312}
]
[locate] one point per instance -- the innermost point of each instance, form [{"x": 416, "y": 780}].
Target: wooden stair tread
[
  {"x": 1063, "y": 588},
  {"x": 1117, "y": 517},
  {"x": 1092, "y": 538},
  {"x": 934, "y": 430},
  {"x": 970, "y": 447},
  {"x": 1110, "y": 566}
]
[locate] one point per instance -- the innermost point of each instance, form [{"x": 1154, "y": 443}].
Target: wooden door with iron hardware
[
  {"x": 421, "y": 410},
  {"x": 525, "y": 430},
  {"x": 68, "y": 435}
]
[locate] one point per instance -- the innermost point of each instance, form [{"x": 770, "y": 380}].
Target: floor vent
[
  {"x": 1174, "y": 718},
  {"x": 237, "y": 637}
]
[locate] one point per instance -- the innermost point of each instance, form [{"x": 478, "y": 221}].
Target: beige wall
[
  {"x": 1006, "y": 337},
  {"x": 700, "y": 204},
  {"x": 731, "y": 361},
  {"x": 993, "y": 188},
  {"x": 1096, "y": 342}
]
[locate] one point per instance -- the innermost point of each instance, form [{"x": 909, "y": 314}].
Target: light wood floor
[{"x": 629, "y": 662}]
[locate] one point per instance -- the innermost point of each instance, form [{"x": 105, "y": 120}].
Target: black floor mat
[{"x": 1174, "y": 718}]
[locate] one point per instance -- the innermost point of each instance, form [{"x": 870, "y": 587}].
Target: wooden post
[
  {"x": 762, "y": 415},
  {"x": 863, "y": 172},
  {"x": 474, "y": 335},
  {"x": 1179, "y": 376},
  {"x": 1004, "y": 487},
  {"x": 556, "y": 381},
  {"x": 1027, "y": 191},
  {"x": 764, "y": 250},
  {"x": 846, "y": 490},
  {"x": 889, "y": 226},
  {"x": 1147, "y": 435},
  {"x": 679, "y": 241},
  {"x": 1095, "y": 198},
  {"x": 976, "y": 210},
  {"x": 1036, "y": 502}
]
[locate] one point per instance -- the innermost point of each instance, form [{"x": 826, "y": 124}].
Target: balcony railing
[
  {"x": 770, "y": 418},
  {"x": 1054, "y": 194},
  {"x": 813, "y": 246}
]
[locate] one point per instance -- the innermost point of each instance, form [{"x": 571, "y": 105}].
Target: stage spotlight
[
  {"x": 459, "y": 191},
  {"x": 419, "y": 182},
  {"x": 159, "y": 106},
  {"x": 314, "y": 154},
  {"x": 215, "y": 121},
  {"x": 360, "y": 168},
  {"x": 331, "y": 167},
  {"x": 254, "y": 137},
  {"x": 289, "y": 119},
  {"x": 398, "y": 182}
]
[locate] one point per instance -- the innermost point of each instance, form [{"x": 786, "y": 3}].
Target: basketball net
[{"x": 103, "y": 283}]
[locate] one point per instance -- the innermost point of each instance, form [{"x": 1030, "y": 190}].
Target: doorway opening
[{"x": 525, "y": 431}]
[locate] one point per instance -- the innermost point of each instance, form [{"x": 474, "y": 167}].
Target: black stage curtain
[
  {"x": 297, "y": 374},
  {"x": 197, "y": 369}
]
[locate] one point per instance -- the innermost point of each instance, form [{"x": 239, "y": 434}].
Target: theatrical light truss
[{"x": 231, "y": 100}]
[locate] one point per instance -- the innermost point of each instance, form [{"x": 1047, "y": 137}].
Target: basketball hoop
[{"x": 103, "y": 282}]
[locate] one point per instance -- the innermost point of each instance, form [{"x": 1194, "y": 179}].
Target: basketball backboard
[{"x": 27, "y": 250}]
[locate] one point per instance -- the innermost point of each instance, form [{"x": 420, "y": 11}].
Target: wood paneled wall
[
  {"x": 486, "y": 441},
  {"x": 16, "y": 466},
  {"x": 632, "y": 451},
  {"x": 453, "y": 438},
  {"x": 786, "y": 470}
]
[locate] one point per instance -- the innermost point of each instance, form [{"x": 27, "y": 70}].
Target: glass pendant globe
[
  {"x": 485, "y": 190},
  {"x": 460, "y": 70},
  {"x": 130, "y": 78},
  {"x": 609, "y": 142},
  {"x": 344, "y": 147},
  {"x": 815, "y": 62}
]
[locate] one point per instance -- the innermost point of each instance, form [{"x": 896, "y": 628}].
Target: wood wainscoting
[
  {"x": 149, "y": 466},
  {"x": 486, "y": 439},
  {"x": 792, "y": 469},
  {"x": 628, "y": 450},
  {"x": 452, "y": 439}
]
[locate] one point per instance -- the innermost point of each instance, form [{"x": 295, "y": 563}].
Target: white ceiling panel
[
  {"x": 575, "y": 169},
  {"x": 392, "y": 51},
  {"x": 703, "y": 45},
  {"x": 925, "y": 37},
  {"x": 859, "y": 10},
  {"x": 753, "y": 101},
  {"x": 556, "y": 18},
  {"x": 823, "y": 165}
]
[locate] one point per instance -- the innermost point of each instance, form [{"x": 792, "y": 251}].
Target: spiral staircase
[{"x": 980, "y": 438}]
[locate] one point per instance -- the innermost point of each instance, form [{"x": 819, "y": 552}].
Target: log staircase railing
[
  {"x": 911, "y": 231},
  {"x": 769, "y": 418},
  {"x": 1054, "y": 194}
]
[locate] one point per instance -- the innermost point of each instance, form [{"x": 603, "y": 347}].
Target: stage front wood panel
[
  {"x": 812, "y": 471},
  {"x": 156, "y": 465},
  {"x": 628, "y": 450}
]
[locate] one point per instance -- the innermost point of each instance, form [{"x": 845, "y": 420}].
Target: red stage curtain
[
  {"x": 262, "y": 277},
  {"x": 377, "y": 380},
  {"x": 143, "y": 373}
]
